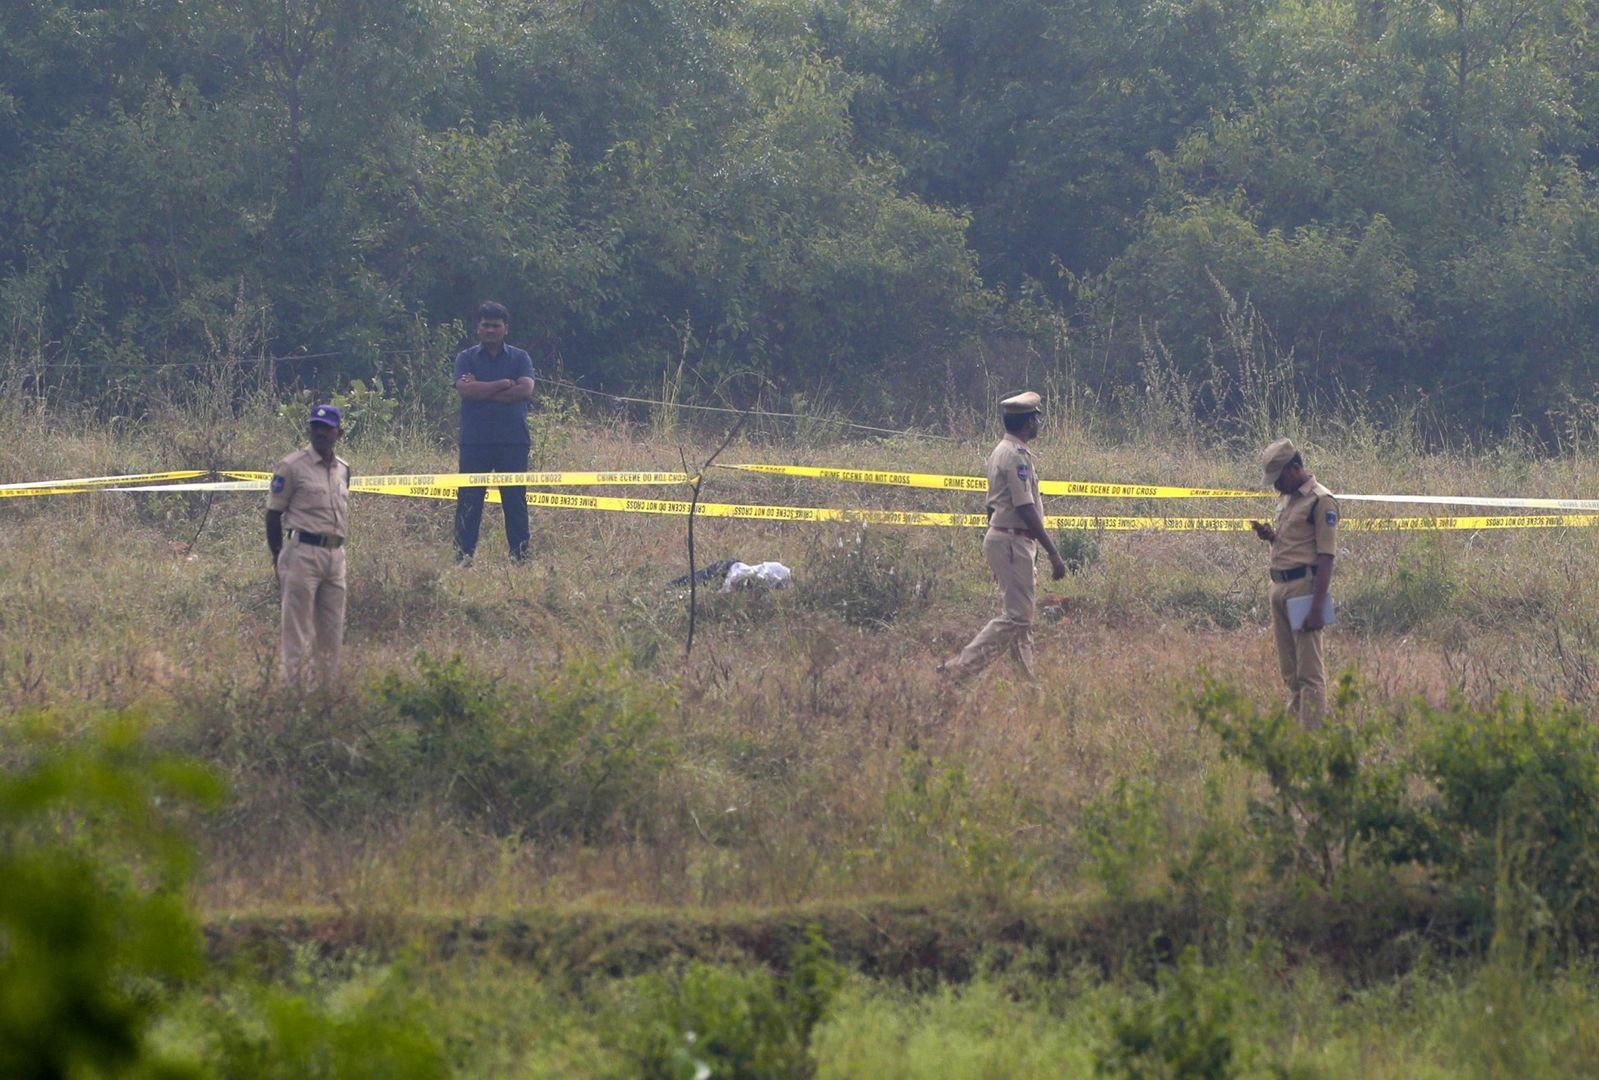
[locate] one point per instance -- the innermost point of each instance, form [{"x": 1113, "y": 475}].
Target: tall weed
[
  {"x": 936, "y": 822},
  {"x": 867, "y": 578},
  {"x": 1424, "y": 584},
  {"x": 1121, "y": 829}
]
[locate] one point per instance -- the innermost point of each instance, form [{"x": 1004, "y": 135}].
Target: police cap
[
  {"x": 1021, "y": 404},
  {"x": 1275, "y": 458},
  {"x": 327, "y": 414}
]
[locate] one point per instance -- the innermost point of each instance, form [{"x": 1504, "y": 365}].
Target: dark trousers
[{"x": 492, "y": 457}]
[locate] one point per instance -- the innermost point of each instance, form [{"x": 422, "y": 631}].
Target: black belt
[
  {"x": 1293, "y": 573},
  {"x": 317, "y": 539},
  {"x": 1008, "y": 529}
]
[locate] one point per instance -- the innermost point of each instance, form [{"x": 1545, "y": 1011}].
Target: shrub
[
  {"x": 91, "y": 907},
  {"x": 356, "y": 1029},
  {"x": 1079, "y": 548},
  {"x": 1519, "y": 781},
  {"x": 1514, "y": 796},
  {"x": 1184, "y": 1030},
  {"x": 935, "y": 821},
  {"x": 1330, "y": 799},
  {"x": 98, "y": 946},
  {"x": 1206, "y": 869},
  {"x": 1121, "y": 829},
  {"x": 716, "y": 1021},
  {"x": 865, "y": 579},
  {"x": 563, "y": 757}
]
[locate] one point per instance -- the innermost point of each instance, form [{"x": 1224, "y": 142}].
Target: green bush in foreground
[
  {"x": 100, "y": 953},
  {"x": 358, "y": 1031},
  {"x": 1511, "y": 793},
  {"x": 1333, "y": 801},
  {"x": 712, "y": 1021},
  {"x": 1185, "y": 1030},
  {"x": 93, "y": 925},
  {"x": 1516, "y": 782}
]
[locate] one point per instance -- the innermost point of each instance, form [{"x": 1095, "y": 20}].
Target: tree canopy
[{"x": 836, "y": 195}]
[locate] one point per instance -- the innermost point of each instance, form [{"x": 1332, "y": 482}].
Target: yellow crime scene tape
[
  {"x": 240, "y": 480},
  {"x": 680, "y": 507},
  {"x": 91, "y": 483},
  {"x": 751, "y": 512},
  {"x": 447, "y": 486},
  {"x": 944, "y": 482},
  {"x": 1094, "y": 489},
  {"x": 501, "y": 479},
  {"x": 1458, "y": 500}
]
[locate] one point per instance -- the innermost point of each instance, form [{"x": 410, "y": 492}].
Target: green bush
[
  {"x": 101, "y": 959},
  {"x": 1331, "y": 799},
  {"x": 563, "y": 757},
  {"x": 746, "y": 1025},
  {"x": 355, "y": 1029},
  {"x": 1079, "y": 548},
  {"x": 1184, "y": 1031},
  {"x": 1121, "y": 829},
  {"x": 92, "y": 912},
  {"x": 1516, "y": 781},
  {"x": 936, "y": 822},
  {"x": 1512, "y": 796}
]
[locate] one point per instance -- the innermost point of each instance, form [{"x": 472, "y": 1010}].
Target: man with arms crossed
[
  {"x": 1015, "y": 532},
  {"x": 495, "y": 381}
]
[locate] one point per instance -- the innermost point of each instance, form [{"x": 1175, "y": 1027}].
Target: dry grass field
[{"x": 511, "y": 739}]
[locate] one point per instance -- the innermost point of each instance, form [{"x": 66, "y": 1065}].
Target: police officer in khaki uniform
[
  {"x": 310, "y": 497},
  {"x": 1304, "y": 541},
  {"x": 1015, "y": 531}
]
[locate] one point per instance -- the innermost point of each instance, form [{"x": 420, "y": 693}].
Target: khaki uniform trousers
[
  {"x": 312, "y": 582},
  {"x": 1012, "y": 559},
  {"x": 1299, "y": 654}
]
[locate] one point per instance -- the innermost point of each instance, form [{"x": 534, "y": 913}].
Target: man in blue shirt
[{"x": 495, "y": 381}]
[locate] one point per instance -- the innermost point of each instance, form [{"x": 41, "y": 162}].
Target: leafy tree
[{"x": 92, "y": 916}]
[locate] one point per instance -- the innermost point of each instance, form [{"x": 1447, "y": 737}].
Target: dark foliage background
[{"x": 826, "y": 200}]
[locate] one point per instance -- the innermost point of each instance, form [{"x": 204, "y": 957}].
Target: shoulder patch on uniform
[
  {"x": 1332, "y": 517},
  {"x": 277, "y": 483},
  {"x": 1022, "y": 470}
]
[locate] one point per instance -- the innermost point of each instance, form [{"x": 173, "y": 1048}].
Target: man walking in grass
[
  {"x": 1015, "y": 533},
  {"x": 1304, "y": 541},
  {"x": 495, "y": 381},
  {"x": 310, "y": 497}
]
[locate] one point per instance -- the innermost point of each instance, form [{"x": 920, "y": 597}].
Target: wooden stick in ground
[{"x": 693, "y": 505}]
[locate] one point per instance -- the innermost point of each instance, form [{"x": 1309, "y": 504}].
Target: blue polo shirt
[{"x": 497, "y": 423}]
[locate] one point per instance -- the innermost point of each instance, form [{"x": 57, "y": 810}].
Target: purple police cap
[{"x": 327, "y": 414}]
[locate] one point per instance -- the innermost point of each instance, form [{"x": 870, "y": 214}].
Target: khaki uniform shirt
[
  {"x": 313, "y": 497},
  {"x": 1012, "y": 482},
  {"x": 1300, "y": 535}
]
